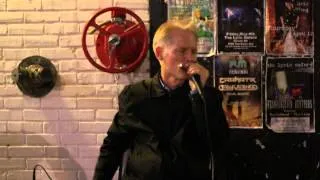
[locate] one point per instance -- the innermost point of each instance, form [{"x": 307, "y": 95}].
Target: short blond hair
[{"x": 162, "y": 35}]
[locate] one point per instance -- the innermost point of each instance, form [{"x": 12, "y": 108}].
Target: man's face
[{"x": 182, "y": 48}]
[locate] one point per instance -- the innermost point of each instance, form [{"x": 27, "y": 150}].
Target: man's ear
[{"x": 159, "y": 53}]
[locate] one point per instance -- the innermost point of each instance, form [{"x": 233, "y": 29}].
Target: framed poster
[
  {"x": 199, "y": 12},
  {"x": 289, "y": 27},
  {"x": 290, "y": 95},
  {"x": 239, "y": 80},
  {"x": 240, "y": 26}
]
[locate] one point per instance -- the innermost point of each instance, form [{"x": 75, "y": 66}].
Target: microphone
[{"x": 195, "y": 78}]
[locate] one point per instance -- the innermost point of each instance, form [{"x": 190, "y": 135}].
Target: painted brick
[
  {"x": 87, "y": 163},
  {"x": 53, "y": 102},
  {"x": 47, "y": 163},
  {"x": 19, "y": 55},
  {"x": 3, "y": 81},
  {"x": 10, "y": 65},
  {"x": 51, "y": 127},
  {"x": 98, "y": 102},
  {"x": 44, "y": 139},
  {"x": 13, "y": 115},
  {"x": 57, "y": 53},
  {"x": 70, "y": 40},
  {"x": 61, "y": 152},
  {"x": 21, "y": 102},
  {"x": 19, "y": 174},
  {"x": 3, "y": 151},
  {"x": 69, "y": 164},
  {"x": 70, "y": 122},
  {"x": 78, "y": 139},
  {"x": 12, "y": 163},
  {"x": 3, "y": 5},
  {"x": 12, "y": 139},
  {"x": 83, "y": 16},
  {"x": 3, "y": 29},
  {"x": 93, "y": 5},
  {"x": 40, "y": 115},
  {"x": 71, "y": 28},
  {"x": 143, "y": 14},
  {"x": 25, "y": 127},
  {"x": 78, "y": 115},
  {"x": 64, "y": 175},
  {"x": 92, "y": 51},
  {"x": 94, "y": 127},
  {"x": 69, "y": 16},
  {"x": 106, "y": 114},
  {"x": 26, "y": 151},
  {"x": 132, "y": 5},
  {"x": 40, "y": 41},
  {"x": 26, "y": 29},
  {"x": 115, "y": 103},
  {"x": 78, "y": 90},
  {"x": 9, "y": 90},
  {"x": 68, "y": 78},
  {"x": 88, "y": 174},
  {"x": 109, "y": 89},
  {"x": 76, "y": 65},
  {"x": 54, "y": 28},
  {"x": 10, "y": 41},
  {"x": 100, "y": 138},
  {"x": 89, "y": 151},
  {"x": 2, "y": 63},
  {"x": 41, "y": 16},
  {"x": 11, "y": 17},
  {"x": 3, "y": 128},
  {"x": 62, "y": 127},
  {"x": 23, "y": 5},
  {"x": 95, "y": 78},
  {"x": 58, "y": 5}
]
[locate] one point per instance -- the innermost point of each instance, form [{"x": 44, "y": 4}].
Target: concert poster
[
  {"x": 289, "y": 27},
  {"x": 240, "y": 26},
  {"x": 239, "y": 80},
  {"x": 199, "y": 12},
  {"x": 290, "y": 95}
]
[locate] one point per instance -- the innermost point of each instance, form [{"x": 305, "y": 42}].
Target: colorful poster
[
  {"x": 240, "y": 26},
  {"x": 290, "y": 95},
  {"x": 289, "y": 27},
  {"x": 239, "y": 80},
  {"x": 200, "y": 12}
]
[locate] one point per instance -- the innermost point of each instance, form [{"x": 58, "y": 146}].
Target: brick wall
[{"x": 63, "y": 130}]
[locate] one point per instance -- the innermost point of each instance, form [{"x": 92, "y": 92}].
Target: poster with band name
[
  {"x": 200, "y": 13},
  {"x": 240, "y": 26},
  {"x": 290, "y": 95},
  {"x": 289, "y": 27},
  {"x": 239, "y": 80}
]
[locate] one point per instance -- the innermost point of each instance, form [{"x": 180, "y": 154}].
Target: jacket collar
[{"x": 158, "y": 88}]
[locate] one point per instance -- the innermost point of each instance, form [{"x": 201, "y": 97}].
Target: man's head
[{"x": 174, "y": 43}]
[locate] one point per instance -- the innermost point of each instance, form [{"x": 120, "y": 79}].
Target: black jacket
[{"x": 165, "y": 133}]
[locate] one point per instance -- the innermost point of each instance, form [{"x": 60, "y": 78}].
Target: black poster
[
  {"x": 240, "y": 26},
  {"x": 239, "y": 80},
  {"x": 290, "y": 94}
]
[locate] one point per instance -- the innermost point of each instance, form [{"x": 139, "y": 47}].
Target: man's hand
[{"x": 203, "y": 72}]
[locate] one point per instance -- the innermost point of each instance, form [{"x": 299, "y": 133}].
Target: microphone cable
[
  {"x": 34, "y": 172},
  {"x": 207, "y": 131}
]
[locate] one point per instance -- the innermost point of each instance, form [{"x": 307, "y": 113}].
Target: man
[{"x": 162, "y": 120}]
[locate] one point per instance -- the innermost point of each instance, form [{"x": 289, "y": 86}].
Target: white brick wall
[{"x": 62, "y": 131}]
